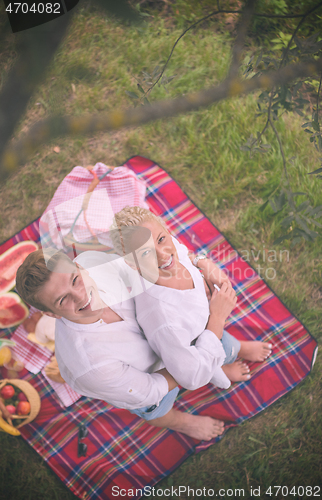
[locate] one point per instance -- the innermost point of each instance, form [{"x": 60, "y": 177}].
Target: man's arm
[
  {"x": 123, "y": 385},
  {"x": 171, "y": 382}
]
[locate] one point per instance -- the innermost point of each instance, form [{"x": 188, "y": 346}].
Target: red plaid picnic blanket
[{"x": 124, "y": 453}]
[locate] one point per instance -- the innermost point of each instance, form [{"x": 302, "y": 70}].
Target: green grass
[{"x": 97, "y": 63}]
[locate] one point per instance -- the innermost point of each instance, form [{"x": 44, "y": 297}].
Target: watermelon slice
[
  {"x": 11, "y": 260},
  {"x": 12, "y": 310}
]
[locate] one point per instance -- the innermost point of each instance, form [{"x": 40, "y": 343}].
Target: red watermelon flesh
[
  {"x": 12, "y": 310},
  {"x": 11, "y": 260}
]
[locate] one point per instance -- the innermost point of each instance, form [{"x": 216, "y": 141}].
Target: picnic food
[
  {"x": 30, "y": 323},
  {"x": 5, "y": 355},
  {"x": 23, "y": 408},
  {"x": 8, "y": 428},
  {"x": 52, "y": 371},
  {"x": 7, "y": 392},
  {"x": 11, "y": 260},
  {"x": 41, "y": 330},
  {"x": 16, "y": 406},
  {"x": 15, "y": 411},
  {"x": 22, "y": 397},
  {"x": 11, "y": 409},
  {"x": 12, "y": 310}
]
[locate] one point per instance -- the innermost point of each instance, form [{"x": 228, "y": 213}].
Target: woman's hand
[
  {"x": 220, "y": 306},
  {"x": 223, "y": 302}
]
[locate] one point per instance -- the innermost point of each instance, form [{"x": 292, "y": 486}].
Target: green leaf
[
  {"x": 308, "y": 210},
  {"x": 297, "y": 87},
  {"x": 316, "y": 223},
  {"x": 287, "y": 221},
  {"x": 145, "y": 100},
  {"x": 316, "y": 210},
  {"x": 295, "y": 241},
  {"x": 263, "y": 206},
  {"x": 280, "y": 200},
  {"x": 282, "y": 238},
  {"x": 298, "y": 193},
  {"x": 316, "y": 126},
  {"x": 306, "y": 236},
  {"x": 140, "y": 89},
  {"x": 259, "y": 58},
  {"x": 272, "y": 204},
  {"x": 302, "y": 205},
  {"x": 320, "y": 142},
  {"x": 155, "y": 71},
  {"x": 171, "y": 78},
  {"x": 302, "y": 223},
  {"x": 315, "y": 171},
  {"x": 133, "y": 95}
]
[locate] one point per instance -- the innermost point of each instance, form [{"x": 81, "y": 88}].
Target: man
[{"x": 100, "y": 348}]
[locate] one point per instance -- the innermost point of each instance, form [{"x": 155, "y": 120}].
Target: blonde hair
[
  {"x": 34, "y": 273},
  {"x": 130, "y": 217}
]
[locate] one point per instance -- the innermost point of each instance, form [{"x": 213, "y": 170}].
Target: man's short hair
[
  {"x": 35, "y": 272},
  {"x": 129, "y": 217}
]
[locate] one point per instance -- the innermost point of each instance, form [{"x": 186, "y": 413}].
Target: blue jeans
[
  {"x": 231, "y": 347},
  {"x": 166, "y": 403}
]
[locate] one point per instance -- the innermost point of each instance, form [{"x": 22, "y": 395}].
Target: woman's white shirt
[{"x": 171, "y": 319}]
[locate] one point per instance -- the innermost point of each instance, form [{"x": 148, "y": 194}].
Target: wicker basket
[{"x": 31, "y": 395}]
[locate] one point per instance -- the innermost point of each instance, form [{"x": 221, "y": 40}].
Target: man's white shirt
[{"x": 112, "y": 362}]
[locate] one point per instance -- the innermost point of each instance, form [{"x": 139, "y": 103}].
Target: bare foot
[
  {"x": 237, "y": 371},
  {"x": 254, "y": 350},
  {"x": 198, "y": 427}
]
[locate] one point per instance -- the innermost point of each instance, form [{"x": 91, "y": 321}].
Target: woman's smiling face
[{"x": 157, "y": 258}]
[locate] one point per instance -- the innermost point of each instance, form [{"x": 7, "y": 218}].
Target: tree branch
[
  {"x": 38, "y": 47},
  {"x": 242, "y": 28},
  {"x": 44, "y": 130},
  {"x": 317, "y": 100}
]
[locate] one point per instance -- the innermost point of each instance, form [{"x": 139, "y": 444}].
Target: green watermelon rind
[
  {"x": 19, "y": 302},
  {"x": 10, "y": 284}
]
